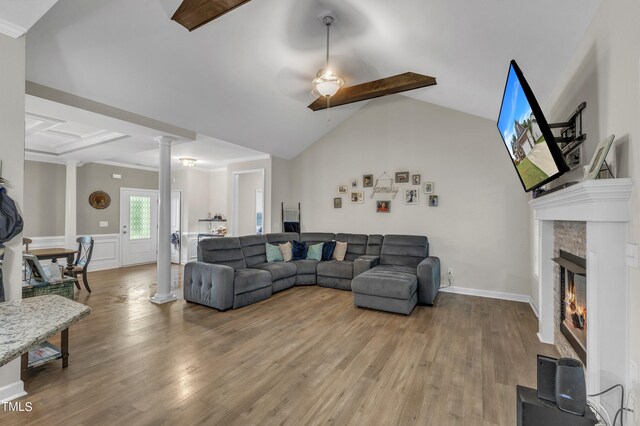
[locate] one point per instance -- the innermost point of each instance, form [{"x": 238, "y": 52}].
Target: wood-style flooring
[{"x": 304, "y": 356}]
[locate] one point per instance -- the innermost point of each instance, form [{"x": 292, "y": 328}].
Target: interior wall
[
  {"x": 605, "y": 72},
  {"x": 93, "y": 177},
  {"x": 44, "y": 204},
  {"x": 12, "y": 88},
  {"x": 248, "y": 184},
  {"x": 251, "y": 165},
  {"x": 282, "y": 191},
  {"x": 218, "y": 201},
  {"x": 481, "y": 226}
]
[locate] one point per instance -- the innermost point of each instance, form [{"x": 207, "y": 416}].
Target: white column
[
  {"x": 164, "y": 293},
  {"x": 70, "y": 229}
]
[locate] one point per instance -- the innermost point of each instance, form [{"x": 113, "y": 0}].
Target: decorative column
[
  {"x": 70, "y": 224},
  {"x": 164, "y": 293}
]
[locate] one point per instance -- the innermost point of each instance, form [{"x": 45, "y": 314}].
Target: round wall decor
[{"x": 99, "y": 200}]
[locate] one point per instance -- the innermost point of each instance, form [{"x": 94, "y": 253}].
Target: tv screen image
[{"x": 526, "y": 134}]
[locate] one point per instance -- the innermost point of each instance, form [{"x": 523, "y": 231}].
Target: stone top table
[{"x": 26, "y": 323}]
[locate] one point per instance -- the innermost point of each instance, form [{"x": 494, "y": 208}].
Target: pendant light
[{"x": 326, "y": 83}]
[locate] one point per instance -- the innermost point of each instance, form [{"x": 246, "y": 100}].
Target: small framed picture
[
  {"x": 415, "y": 179},
  {"x": 411, "y": 196},
  {"x": 354, "y": 183},
  {"x": 337, "y": 203},
  {"x": 367, "y": 181},
  {"x": 383, "y": 206},
  {"x": 427, "y": 187},
  {"x": 433, "y": 201},
  {"x": 402, "y": 177},
  {"x": 343, "y": 189},
  {"x": 598, "y": 158},
  {"x": 357, "y": 197}
]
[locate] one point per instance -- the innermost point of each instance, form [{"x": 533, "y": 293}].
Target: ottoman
[{"x": 386, "y": 288}]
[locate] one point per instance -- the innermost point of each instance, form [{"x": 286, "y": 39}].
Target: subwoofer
[
  {"x": 571, "y": 388},
  {"x": 547, "y": 378}
]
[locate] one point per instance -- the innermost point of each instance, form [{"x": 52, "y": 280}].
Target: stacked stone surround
[{"x": 570, "y": 237}]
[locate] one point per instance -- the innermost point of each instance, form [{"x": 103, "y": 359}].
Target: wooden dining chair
[{"x": 81, "y": 263}]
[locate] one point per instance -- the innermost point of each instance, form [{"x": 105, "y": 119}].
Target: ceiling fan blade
[
  {"x": 193, "y": 14},
  {"x": 375, "y": 89}
]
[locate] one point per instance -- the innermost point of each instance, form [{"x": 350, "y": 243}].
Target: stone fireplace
[{"x": 588, "y": 221}]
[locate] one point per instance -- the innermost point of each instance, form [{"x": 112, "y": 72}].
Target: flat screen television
[{"x": 526, "y": 134}]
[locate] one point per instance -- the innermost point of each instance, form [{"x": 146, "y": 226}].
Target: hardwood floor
[{"x": 304, "y": 356}]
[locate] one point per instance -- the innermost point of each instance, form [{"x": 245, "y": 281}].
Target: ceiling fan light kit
[{"x": 326, "y": 83}]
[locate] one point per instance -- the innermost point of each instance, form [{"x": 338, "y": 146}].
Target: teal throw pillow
[
  {"x": 315, "y": 252},
  {"x": 273, "y": 253}
]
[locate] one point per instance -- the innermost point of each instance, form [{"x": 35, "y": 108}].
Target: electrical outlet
[
  {"x": 633, "y": 374},
  {"x": 450, "y": 272}
]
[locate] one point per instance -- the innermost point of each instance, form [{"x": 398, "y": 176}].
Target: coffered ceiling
[{"x": 245, "y": 77}]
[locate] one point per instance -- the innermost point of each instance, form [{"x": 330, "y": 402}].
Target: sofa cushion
[
  {"x": 336, "y": 269},
  {"x": 298, "y": 250},
  {"x": 246, "y": 280},
  {"x": 287, "y": 251},
  {"x": 222, "y": 251},
  {"x": 282, "y": 237},
  {"x": 306, "y": 266},
  {"x": 316, "y": 237},
  {"x": 340, "y": 251},
  {"x": 253, "y": 247},
  {"x": 273, "y": 253},
  {"x": 386, "y": 282},
  {"x": 327, "y": 250},
  {"x": 374, "y": 245},
  {"x": 404, "y": 250},
  {"x": 278, "y": 270},
  {"x": 315, "y": 252},
  {"x": 356, "y": 245}
]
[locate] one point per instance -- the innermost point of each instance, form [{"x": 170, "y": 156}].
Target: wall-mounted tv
[{"x": 526, "y": 134}]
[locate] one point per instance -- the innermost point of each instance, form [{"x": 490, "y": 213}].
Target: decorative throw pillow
[
  {"x": 285, "y": 249},
  {"x": 273, "y": 253},
  {"x": 327, "y": 250},
  {"x": 298, "y": 250},
  {"x": 315, "y": 252},
  {"x": 340, "y": 251}
]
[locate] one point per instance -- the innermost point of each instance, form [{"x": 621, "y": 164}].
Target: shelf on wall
[{"x": 212, "y": 220}]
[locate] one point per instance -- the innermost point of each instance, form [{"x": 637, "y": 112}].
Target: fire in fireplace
[{"x": 573, "y": 301}]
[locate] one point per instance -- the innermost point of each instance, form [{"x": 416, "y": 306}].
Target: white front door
[
  {"x": 176, "y": 218},
  {"x": 139, "y": 226}
]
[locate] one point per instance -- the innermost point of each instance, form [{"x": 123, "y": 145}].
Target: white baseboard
[
  {"x": 487, "y": 293},
  {"x": 534, "y": 308},
  {"x": 12, "y": 391}
]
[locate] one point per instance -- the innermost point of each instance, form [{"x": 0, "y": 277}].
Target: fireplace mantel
[
  {"x": 604, "y": 206},
  {"x": 603, "y": 200}
]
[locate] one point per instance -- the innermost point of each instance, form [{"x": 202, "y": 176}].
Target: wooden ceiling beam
[
  {"x": 193, "y": 14},
  {"x": 375, "y": 89}
]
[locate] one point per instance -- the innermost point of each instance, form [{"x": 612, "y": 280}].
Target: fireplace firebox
[{"x": 573, "y": 301}]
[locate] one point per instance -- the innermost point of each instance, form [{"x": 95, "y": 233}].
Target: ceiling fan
[{"x": 192, "y": 14}]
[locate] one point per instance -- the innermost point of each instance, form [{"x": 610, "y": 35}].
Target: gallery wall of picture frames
[{"x": 385, "y": 189}]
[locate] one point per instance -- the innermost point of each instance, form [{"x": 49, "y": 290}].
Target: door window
[{"x": 140, "y": 217}]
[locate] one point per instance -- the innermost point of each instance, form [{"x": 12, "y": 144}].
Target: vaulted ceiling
[{"x": 245, "y": 77}]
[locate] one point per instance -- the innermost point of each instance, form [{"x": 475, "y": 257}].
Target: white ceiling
[
  {"x": 245, "y": 77},
  {"x": 59, "y": 133}
]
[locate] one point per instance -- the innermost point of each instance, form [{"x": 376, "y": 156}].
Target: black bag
[{"x": 10, "y": 220}]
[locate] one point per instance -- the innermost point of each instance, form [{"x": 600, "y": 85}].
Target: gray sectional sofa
[{"x": 391, "y": 273}]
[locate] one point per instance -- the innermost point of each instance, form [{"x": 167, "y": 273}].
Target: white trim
[
  {"x": 43, "y": 157},
  {"x": 121, "y": 240},
  {"x": 106, "y": 252},
  {"x": 487, "y": 293},
  {"x": 534, "y": 307},
  {"x": 128, "y": 166},
  {"x": 247, "y": 159},
  {"x": 12, "y": 391},
  {"x": 47, "y": 242},
  {"x": 11, "y": 29}
]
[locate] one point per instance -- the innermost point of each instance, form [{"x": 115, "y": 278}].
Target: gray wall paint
[
  {"x": 481, "y": 227},
  {"x": 94, "y": 177},
  {"x": 44, "y": 200}
]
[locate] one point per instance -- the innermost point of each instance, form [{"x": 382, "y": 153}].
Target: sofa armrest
[
  {"x": 209, "y": 284},
  {"x": 428, "y": 280},
  {"x": 364, "y": 263}
]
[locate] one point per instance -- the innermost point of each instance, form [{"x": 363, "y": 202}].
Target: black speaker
[
  {"x": 571, "y": 388},
  {"x": 547, "y": 378}
]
